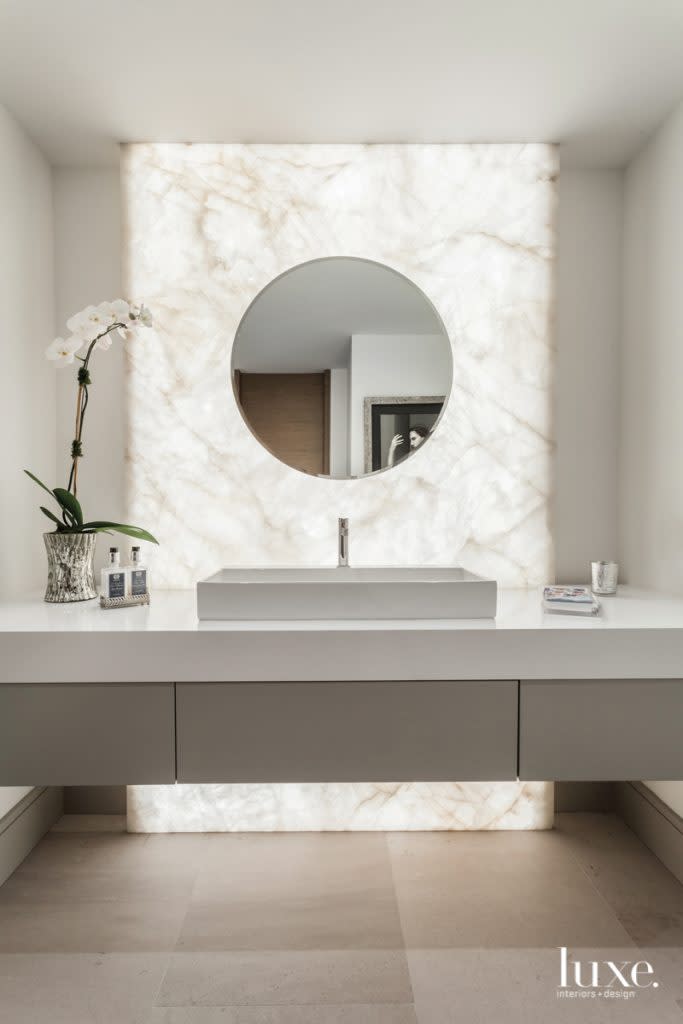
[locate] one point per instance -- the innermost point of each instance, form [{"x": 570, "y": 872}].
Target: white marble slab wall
[
  {"x": 208, "y": 226},
  {"x": 339, "y": 807}
]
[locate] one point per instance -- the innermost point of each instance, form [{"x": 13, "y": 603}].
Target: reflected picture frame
[{"x": 425, "y": 408}]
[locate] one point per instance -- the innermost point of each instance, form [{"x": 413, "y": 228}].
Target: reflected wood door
[{"x": 290, "y": 415}]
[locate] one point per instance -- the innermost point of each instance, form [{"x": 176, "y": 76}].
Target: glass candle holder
[{"x": 604, "y": 576}]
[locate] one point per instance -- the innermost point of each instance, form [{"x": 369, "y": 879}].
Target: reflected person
[{"x": 416, "y": 436}]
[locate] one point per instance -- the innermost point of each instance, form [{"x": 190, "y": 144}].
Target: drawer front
[
  {"x": 86, "y": 734},
  {"x": 347, "y": 731},
  {"x": 601, "y": 729}
]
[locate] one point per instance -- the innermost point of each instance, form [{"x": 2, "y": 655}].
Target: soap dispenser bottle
[
  {"x": 113, "y": 578},
  {"x": 138, "y": 575}
]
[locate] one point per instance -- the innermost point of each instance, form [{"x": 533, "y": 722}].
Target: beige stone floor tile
[
  {"x": 497, "y": 890},
  {"x": 307, "y": 862},
  {"x": 520, "y": 987},
  {"x": 669, "y": 960},
  {"x": 299, "y": 922},
  {"x": 86, "y": 851},
  {"x": 308, "y": 928},
  {"x": 88, "y": 823},
  {"x": 645, "y": 897},
  {"x": 90, "y": 927},
  {"x": 104, "y": 850},
  {"x": 284, "y": 977},
  {"x": 79, "y": 989},
  {"x": 349, "y": 1014},
  {"x": 306, "y": 891},
  {"x": 106, "y": 867}
]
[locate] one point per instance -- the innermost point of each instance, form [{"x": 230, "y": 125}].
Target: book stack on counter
[{"x": 570, "y": 600}]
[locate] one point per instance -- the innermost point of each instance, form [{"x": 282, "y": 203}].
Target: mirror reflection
[{"x": 341, "y": 367}]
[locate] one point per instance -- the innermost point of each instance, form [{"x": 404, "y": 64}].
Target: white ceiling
[
  {"x": 596, "y": 76},
  {"x": 303, "y": 321}
]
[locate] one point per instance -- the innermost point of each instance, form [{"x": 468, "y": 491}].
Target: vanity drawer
[
  {"x": 601, "y": 730},
  {"x": 86, "y": 734},
  {"x": 347, "y": 731}
]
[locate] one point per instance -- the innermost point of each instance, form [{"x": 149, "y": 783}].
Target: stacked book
[{"x": 570, "y": 600}]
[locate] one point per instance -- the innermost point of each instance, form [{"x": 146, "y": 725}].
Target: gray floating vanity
[
  {"x": 407, "y": 730},
  {"x": 147, "y": 695},
  {"x": 587, "y": 729}
]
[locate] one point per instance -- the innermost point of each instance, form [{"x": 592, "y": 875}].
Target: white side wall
[
  {"x": 27, "y": 388},
  {"x": 88, "y": 270},
  {"x": 651, "y": 432},
  {"x": 671, "y": 793},
  {"x": 587, "y": 370},
  {"x": 339, "y": 422},
  {"x": 10, "y": 797},
  {"x": 651, "y": 485}
]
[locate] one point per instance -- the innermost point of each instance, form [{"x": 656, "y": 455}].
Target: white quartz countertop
[{"x": 638, "y": 634}]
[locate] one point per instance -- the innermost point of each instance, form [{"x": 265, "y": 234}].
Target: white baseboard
[
  {"x": 25, "y": 824},
  {"x": 653, "y": 821}
]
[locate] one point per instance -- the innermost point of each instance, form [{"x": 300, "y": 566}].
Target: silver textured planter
[{"x": 70, "y": 569}]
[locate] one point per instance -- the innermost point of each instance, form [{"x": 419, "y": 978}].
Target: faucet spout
[{"x": 343, "y": 549}]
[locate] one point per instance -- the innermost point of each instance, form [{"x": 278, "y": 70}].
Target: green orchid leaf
[
  {"x": 39, "y": 482},
  {"x": 130, "y": 531},
  {"x": 60, "y": 524},
  {"x": 70, "y": 504}
]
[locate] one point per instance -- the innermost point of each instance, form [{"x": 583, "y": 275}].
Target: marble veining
[
  {"x": 207, "y": 227},
  {"x": 335, "y": 807}
]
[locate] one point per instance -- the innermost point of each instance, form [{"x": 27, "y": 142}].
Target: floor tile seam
[
  {"x": 397, "y": 900},
  {"x": 350, "y": 1004},
  {"x": 155, "y": 1000},
  {"x": 630, "y": 941},
  {"x": 601, "y": 896},
  {"x": 183, "y": 921}
]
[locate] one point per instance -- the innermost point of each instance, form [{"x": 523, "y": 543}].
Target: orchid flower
[
  {"x": 99, "y": 321},
  {"x": 63, "y": 352}
]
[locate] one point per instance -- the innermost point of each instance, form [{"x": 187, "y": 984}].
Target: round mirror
[{"x": 341, "y": 367}]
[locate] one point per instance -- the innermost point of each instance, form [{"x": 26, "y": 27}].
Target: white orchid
[
  {"x": 63, "y": 352},
  {"x": 93, "y": 328},
  {"x": 94, "y": 320},
  {"x": 119, "y": 310},
  {"x": 141, "y": 315},
  {"x": 90, "y": 321}
]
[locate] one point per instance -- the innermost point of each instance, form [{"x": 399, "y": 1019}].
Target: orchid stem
[{"x": 81, "y": 406}]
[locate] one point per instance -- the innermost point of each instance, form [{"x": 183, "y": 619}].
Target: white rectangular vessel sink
[{"x": 346, "y": 593}]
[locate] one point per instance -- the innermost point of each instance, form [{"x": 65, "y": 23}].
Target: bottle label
[
  {"x": 138, "y": 582},
  {"x": 117, "y": 584}
]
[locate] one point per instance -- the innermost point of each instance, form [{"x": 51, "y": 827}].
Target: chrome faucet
[{"x": 343, "y": 543}]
